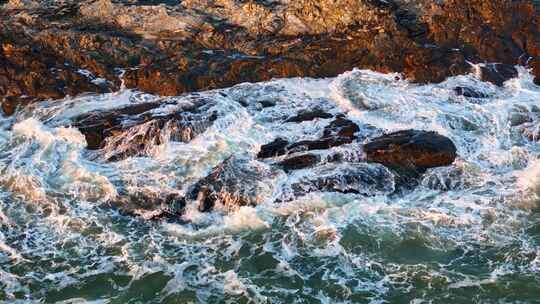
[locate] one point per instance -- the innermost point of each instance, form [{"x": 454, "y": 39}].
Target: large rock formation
[{"x": 53, "y": 48}]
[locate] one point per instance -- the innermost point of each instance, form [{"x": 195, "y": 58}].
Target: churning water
[{"x": 469, "y": 232}]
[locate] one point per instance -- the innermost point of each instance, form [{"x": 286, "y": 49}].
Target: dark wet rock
[
  {"x": 341, "y": 127},
  {"x": 318, "y": 144},
  {"x": 299, "y": 162},
  {"x": 339, "y": 132},
  {"x": 275, "y": 148},
  {"x": 307, "y": 115},
  {"x": 497, "y": 73},
  {"x": 469, "y": 92},
  {"x": 232, "y": 184},
  {"x": 265, "y": 103},
  {"x": 359, "y": 178},
  {"x": 132, "y": 130},
  {"x": 411, "y": 151},
  {"x": 149, "y": 204},
  {"x": 96, "y": 126}
]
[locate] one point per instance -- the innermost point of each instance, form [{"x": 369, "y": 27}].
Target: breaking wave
[{"x": 468, "y": 231}]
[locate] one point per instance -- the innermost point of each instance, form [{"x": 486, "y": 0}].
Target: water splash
[{"x": 468, "y": 231}]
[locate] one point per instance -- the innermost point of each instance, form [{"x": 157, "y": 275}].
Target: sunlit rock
[{"x": 411, "y": 151}]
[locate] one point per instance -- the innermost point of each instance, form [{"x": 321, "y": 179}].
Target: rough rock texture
[
  {"x": 234, "y": 183},
  {"x": 339, "y": 132},
  {"x": 50, "y": 49},
  {"x": 411, "y": 151},
  {"x": 338, "y": 161},
  {"x": 150, "y": 204},
  {"x": 359, "y": 178},
  {"x": 133, "y": 129}
]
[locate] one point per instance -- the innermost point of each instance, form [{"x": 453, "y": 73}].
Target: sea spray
[{"x": 467, "y": 229}]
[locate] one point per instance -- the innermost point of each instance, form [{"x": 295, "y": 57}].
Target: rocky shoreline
[
  {"x": 343, "y": 155},
  {"x": 50, "y": 49}
]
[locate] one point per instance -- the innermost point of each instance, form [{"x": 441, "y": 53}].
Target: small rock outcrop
[
  {"x": 234, "y": 183},
  {"x": 133, "y": 129},
  {"x": 411, "y": 151},
  {"x": 339, "y": 132}
]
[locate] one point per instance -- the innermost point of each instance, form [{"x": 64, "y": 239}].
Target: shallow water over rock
[{"x": 76, "y": 226}]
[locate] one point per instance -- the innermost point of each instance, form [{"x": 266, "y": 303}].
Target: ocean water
[{"x": 469, "y": 233}]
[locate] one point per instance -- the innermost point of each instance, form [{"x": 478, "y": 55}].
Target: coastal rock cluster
[
  {"x": 50, "y": 49},
  {"x": 53, "y": 48},
  {"x": 341, "y": 155}
]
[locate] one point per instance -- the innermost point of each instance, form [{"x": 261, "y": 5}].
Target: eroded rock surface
[
  {"x": 50, "y": 49},
  {"x": 411, "y": 151},
  {"x": 234, "y": 183},
  {"x": 133, "y": 129}
]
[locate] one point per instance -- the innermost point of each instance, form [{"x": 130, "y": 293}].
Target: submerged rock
[
  {"x": 520, "y": 115},
  {"x": 455, "y": 177},
  {"x": 307, "y": 115},
  {"x": 234, "y": 183},
  {"x": 469, "y": 92},
  {"x": 339, "y": 132},
  {"x": 359, "y": 178},
  {"x": 149, "y": 204},
  {"x": 411, "y": 151}
]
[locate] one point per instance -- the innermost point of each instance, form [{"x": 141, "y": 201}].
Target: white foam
[
  {"x": 33, "y": 128},
  {"x": 55, "y": 190},
  {"x": 244, "y": 218}
]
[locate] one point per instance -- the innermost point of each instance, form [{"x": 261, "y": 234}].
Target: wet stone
[
  {"x": 275, "y": 148},
  {"x": 339, "y": 132},
  {"x": 308, "y": 115},
  {"x": 451, "y": 178},
  {"x": 341, "y": 127},
  {"x": 132, "y": 130},
  {"x": 411, "y": 152},
  {"x": 319, "y": 144},
  {"x": 498, "y": 73},
  {"x": 149, "y": 204},
  {"x": 299, "y": 162},
  {"x": 358, "y": 178},
  {"x": 469, "y": 92},
  {"x": 232, "y": 184}
]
